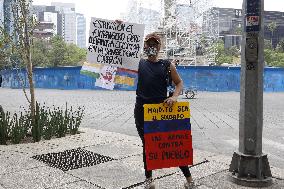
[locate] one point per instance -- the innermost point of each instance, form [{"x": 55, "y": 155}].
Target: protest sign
[
  {"x": 167, "y": 134},
  {"x": 111, "y": 43},
  {"x": 106, "y": 79}
]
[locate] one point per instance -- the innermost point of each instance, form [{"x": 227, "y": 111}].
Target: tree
[
  {"x": 267, "y": 44},
  {"x": 57, "y": 51},
  {"x": 274, "y": 58},
  {"x": 225, "y": 55},
  {"x": 40, "y": 53},
  {"x": 18, "y": 42},
  {"x": 238, "y": 30},
  {"x": 280, "y": 46},
  {"x": 74, "y": 55},
  {"x": 272, "y": 27}
]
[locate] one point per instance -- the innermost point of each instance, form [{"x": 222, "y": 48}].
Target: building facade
[
  {"x": 7, "y": 16},
  {"x": 81, "y": 30},
  {"x": 68, "y": 24},
  {"x": 44, "y": 30},
  {"x": 1, "y": 13},
  {"x": 229, "y": 22}
]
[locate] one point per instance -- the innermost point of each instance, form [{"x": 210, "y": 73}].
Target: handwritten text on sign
[
  {"x": 115, "y": 44},
  {"x": 167, "y": 133}
]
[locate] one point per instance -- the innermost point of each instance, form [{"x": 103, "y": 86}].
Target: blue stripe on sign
[{"x": 166, "y": 125}]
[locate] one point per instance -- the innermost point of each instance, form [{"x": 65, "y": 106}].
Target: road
[{"x": 214, "y": 116}]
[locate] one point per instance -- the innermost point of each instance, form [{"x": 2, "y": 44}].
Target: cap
[{"x": 153, "y": 36}]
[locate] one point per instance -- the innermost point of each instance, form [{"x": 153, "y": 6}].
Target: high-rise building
[
  {"x": 52, "y": 18},
  {"x": 44, "y": 30},
  {"x": 64, "y": 7},
  {"x": 66, "y": 22},
  {"x": 69, "y": 20},
  {"x": 1, "y": 13},
  {"x": 81, "y": 30},
  {"x": 49, "y": 14},
  {"x": 7, "y": 16},
  {"x": 70, "y": 27}
]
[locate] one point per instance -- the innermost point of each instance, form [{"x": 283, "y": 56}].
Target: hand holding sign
[{"x": 170, "y": 101}]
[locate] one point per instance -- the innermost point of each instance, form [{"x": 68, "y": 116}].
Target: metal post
[{"x": 249, "y": 166}]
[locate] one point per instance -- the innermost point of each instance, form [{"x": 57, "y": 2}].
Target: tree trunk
[{"x": 29, "y": 63}]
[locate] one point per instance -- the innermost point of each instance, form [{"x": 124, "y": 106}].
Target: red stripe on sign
[
  {"x": 169, "y": 149},
  {"x": 127, "y": 70}
]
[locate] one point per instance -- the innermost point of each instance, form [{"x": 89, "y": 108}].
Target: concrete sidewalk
[{"x": 100, "y": 159}]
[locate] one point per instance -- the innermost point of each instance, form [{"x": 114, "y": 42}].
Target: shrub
[{"x": 48, "y": 122}]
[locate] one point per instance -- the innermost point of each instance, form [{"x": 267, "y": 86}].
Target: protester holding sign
[{"x": 152, "y": 89}]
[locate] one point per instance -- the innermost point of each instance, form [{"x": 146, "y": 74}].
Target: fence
[{"x": 203, "y": 78}]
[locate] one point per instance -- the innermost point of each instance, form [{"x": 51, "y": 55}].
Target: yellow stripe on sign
[
  {"x": 180, "y": 110},
  {"x": 96, "y": 65},
  {"x": 124, "y": 80}
]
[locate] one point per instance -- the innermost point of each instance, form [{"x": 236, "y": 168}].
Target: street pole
[{"x": 249, "y": 166}]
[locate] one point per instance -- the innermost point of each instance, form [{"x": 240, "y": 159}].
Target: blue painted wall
[{"x": 203, "y": 78}]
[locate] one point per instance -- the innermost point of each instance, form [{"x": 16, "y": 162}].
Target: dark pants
[{"x": 139, "y": 121}]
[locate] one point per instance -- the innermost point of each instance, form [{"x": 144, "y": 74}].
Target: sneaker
[
  {"x": 188, "y": 185},
  {"x": 149, "y": 184}
]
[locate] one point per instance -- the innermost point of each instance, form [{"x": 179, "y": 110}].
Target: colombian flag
[{"x": 167, "y": 134}]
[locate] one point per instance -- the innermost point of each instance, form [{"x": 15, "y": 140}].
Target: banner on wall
[
  {"x": 167, "y": 134},
  {"x": 114, "y": 44},
  {"x": 108, "y": 76}
]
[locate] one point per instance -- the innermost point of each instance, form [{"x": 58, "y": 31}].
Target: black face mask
[{"x": 151, "y": 51}]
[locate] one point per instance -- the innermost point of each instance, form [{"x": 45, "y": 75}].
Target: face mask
[{"x": 151, "y": 51}]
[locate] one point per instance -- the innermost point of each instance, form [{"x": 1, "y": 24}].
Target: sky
[{"x": 112, "y": 9}]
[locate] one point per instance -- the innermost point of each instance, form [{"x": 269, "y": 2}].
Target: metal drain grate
[{"x": 72, "y": 159}]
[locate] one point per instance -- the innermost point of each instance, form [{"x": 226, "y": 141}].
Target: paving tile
[
  {"x": 221, "y": 180},
  {"x": 36, "y": 178},
  {"x": 116, "y": 150},
  {"x": 77, "y": 185},
  {"x": 13, "y": 162},
  {"x": 111, "y": 175}
]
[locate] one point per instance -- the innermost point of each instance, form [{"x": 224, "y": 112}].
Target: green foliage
[
  {"x": 39, "y": 50},
  {"x": 56, "y": 53},
  {"x": 267, "y": 44},
  {"x": 18, "y": 131},
  {"x": 272, "y": 26},
  {"x": 5, "y": 123},
  {"x": 48, "y": 123},
  {"x": 224, "y": 59},
  {"x": 225, "y": 55},
  {"x": 274, "y": 58},
  {"x": 280, "y": 46},
  {"x": 238, "y": 30}
]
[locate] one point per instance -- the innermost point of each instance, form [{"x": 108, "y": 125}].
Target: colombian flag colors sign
[{"x": 167, "y": 133}]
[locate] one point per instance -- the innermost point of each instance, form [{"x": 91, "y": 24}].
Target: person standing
[{"x": 152, "y": 89}]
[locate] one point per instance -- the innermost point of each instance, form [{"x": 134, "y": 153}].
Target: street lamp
[{"x": 249, "y": 166}]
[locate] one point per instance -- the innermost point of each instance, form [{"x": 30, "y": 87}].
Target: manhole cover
[{"x": 72, "y": 159}]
